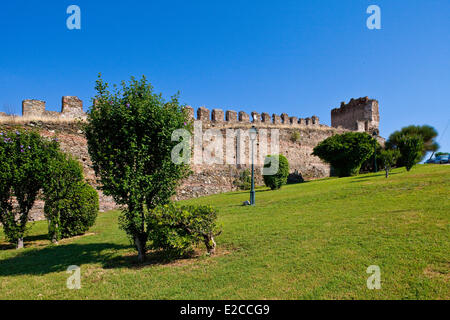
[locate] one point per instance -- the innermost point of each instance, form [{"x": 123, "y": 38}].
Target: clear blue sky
[{"x": 298, "y": 57}]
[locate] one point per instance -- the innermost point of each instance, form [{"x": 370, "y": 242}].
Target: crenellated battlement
[
  {"x": 71, "y": 108},
  {"x": 231, "y": 117}
]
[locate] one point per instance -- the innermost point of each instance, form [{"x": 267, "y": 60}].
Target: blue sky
[{"x": 298, "y": 57}]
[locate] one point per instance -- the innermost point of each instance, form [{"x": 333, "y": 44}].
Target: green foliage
[
  {"x": 177, "y": 228},
  {"x": 441, "y": 154},
  {"x": 24, "y": 158},
  {"x": 295, "y": 136},
  {"x": 71, "y": 205},
  {"x": 346, "y": 152},
  {"x": 389, "y": 159},
  {"x": 278, "y": 179},
  {"x": 78, "y": 211},
  {"x": 427, "y": 133},
  {"x": 129, "y": 134},
  {"x": 244, "y": 181},
  {"x": 411, "y": 149}
]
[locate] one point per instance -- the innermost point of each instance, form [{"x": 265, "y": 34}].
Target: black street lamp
[
  {"x": 375, "y": 134},
  {"x": 252, "y": 133}
]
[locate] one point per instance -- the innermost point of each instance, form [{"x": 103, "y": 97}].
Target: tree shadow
[{"x": 57, "y": 258}]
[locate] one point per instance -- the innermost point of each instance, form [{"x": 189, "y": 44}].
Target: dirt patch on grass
[{"x": 440, "y": 271}]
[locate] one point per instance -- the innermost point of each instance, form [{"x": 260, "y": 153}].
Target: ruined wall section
[
  {"x": 71, "y": 108},
  {"x": 358, "y": 115}
]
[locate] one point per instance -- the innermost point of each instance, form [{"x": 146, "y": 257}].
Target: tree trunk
[
  {"x": 210, "y": 244},
  {"x": 140, "y": 246},
  {"x": 19, "y": 243},
  {"x": 387, "y": 172}
]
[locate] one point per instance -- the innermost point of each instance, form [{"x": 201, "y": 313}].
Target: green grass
[{"x": 307, "y": 241}]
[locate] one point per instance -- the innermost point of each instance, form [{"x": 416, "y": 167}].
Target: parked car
[{"x": 439, "y": 159}]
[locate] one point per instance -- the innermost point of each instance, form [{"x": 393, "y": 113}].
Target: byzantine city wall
[{"x": 297, "y": 139}]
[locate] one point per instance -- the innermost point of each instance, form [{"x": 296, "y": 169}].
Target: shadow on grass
[{"x": 58, "y": 258}]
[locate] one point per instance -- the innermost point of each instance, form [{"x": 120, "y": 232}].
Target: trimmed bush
[
  {"x": 346, "y": 152},
  {"x": 176, "y": 229},
  {"x": 278, "y": 179},
  {"x": 77, "y": 212},
  {"x": 64, "y": 181}
]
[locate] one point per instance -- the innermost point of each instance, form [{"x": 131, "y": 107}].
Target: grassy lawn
[{"x": 307, "y": 241}]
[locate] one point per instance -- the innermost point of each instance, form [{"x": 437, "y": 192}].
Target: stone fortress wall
[{"x": 358, "y": 115}]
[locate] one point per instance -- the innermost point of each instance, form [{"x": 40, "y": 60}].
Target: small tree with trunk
[
  {"x": 129, "y": 134},
  {"x": 411, "y": 149},
  {"x": 24, "y": 158},
  {"x": 388, "y": 159}
]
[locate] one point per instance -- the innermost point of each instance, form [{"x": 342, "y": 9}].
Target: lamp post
[
  {"x": 375, "y": 134},
  {"x": 252, "y": 133}
]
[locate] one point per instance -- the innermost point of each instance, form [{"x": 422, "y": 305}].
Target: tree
[
  {"x": 411, "y": 149},
  {"x": 346, "y": 152},
  {"x": 388, "y": 159},
  {"x": 129, "y": 134},
  {"x": 441, "y": 154},
  {"x": 427, "y": 133},
  {"x": 275, "y": 181},
  {"x": 24, "y": 158},
  {"x": 71, "y": 205}
]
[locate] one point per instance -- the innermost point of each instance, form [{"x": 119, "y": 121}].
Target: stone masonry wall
[
  {"x": 209, "y": 178},
  {"x": 359, "y": 115}
]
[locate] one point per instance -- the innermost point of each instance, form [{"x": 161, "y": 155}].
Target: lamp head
[{"x": 252, "y": 133}]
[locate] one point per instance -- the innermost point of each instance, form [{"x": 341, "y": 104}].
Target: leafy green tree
[
  {"x": 71, "y": 205},
  {"x": 177, "y": 228},
  {"x": 441, "y": 154},
  {"x": 24, "y": 158},
  {"x": 278, "y": 179},
  {"x": 411, "y": 149},
  {"x": 346, "y": 152},
  {"x": 427, "y": 133},
  {"x": 129, "y": 134},
  {"x": 389, "y": 159}
]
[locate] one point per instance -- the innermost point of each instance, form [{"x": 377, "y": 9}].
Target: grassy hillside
[{"x": 307, "y": 241}]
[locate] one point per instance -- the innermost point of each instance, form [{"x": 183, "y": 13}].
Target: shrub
[
  {"x": 176, "y": 229},
  {"x": 295, "y": 136},
  {"x": 24, "y": 158},
  {"x": 388, "y": 159},
  {"x": 244, "y": 181},
  {"x": 78, "y": 211},
  {"x": 278, "y": 179},
  {"x": 411, "y": 149},
  {"x": 71, "y": 206},
  {"x": 346, "y": 152},
  {"x": 129, "y": 134}
]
